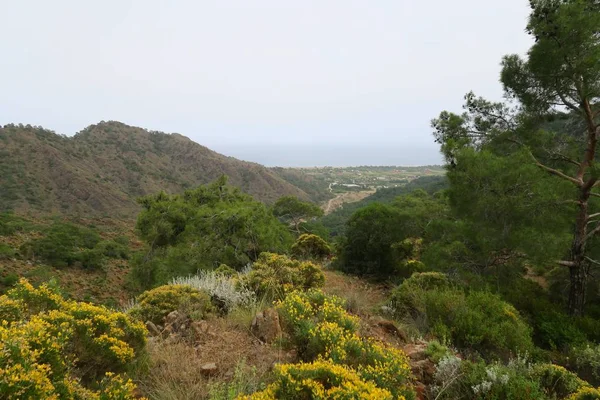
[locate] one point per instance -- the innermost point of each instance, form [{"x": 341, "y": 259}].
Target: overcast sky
[{"x": 261, "y": 80}]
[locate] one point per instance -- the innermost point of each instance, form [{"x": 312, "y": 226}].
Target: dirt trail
[{"x": 348, "y": 197}]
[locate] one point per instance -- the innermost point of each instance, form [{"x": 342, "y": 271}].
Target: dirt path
[{"x": 348, "y": 197}]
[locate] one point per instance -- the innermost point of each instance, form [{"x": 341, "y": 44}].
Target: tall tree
[
  {"x": 561, "y": 72},
  {"x": 293, "y": 211}
]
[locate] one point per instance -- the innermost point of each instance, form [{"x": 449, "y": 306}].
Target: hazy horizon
[{"x": 244, "y": 77}]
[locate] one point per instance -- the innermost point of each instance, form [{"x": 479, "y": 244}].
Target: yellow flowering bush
[
  {"x": 52, "y": 348},
  {"x": 275, "y": 275},
  {"x": 586, "y": 393},
  {"x": 556, "y": 381},
  {"x": 319, "y": 380},
  {"x": 321, "y": 329},
  {"x": 154, "y": 305}
]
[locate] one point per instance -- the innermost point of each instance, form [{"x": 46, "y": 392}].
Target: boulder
[
  {"x": 152, "y": 329},
  {"x": 266, "y": 326}
]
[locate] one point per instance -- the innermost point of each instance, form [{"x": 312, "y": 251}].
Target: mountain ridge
[{"x": 103, "y": 169}]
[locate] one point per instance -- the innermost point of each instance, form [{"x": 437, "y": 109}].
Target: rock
[
  {"x": 391, "y": 328},
  {"x": 173, "y": 338},
  {"x": 415, "y": 351},
  {"x": 421, "y": 390},
  {"x": 423, "y": 370},
  {"x": 208, "y": 369},
  {"x": 266, "y": 326},
  {"x": 153, "y": 329},
  {"x": 200, "y": 329},
  {"x": 172, "y": 317}
]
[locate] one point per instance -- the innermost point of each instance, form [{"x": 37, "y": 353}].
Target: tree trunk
[
  {"x": 577, "y": 290},
  {"x": 577, "y": 271}
]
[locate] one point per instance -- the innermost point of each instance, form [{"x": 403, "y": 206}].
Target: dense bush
[
  {"x": 64, "y": 244},
  {"x": 309, "y": 246},
  {"x": 154, "y": 305},
  {"x": 10, "y": 224},
  {"x": 320, "y": 328},
  {"x": 375, "y": 235},
  {"x": 586, "y": 393},
  {"x": 556, "y": 381},
  {"x": 274, "y": 275},
  {"x": 55, "y": 348},
  {"x": 518, "y": 379},
  {"x": 586, "y": 360},
  {"x": 319, "y": 380},
  {"x": 473, "y": 320},
  {"x": 201, "y": 229},
  {"x": 6, "y": 252}
]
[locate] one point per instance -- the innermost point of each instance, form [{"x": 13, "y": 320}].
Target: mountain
[{"x": 105, "y": 167}]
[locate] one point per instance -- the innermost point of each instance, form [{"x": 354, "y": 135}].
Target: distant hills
[{"x": 105, "y": 167}]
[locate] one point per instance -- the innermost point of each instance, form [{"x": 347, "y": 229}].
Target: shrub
[
  {"x": 9, "y": 280},
  {"x": 437, "y": 351},
  {"x": 587, "y": 393},
  {"x": 226, "y": 270},
  {"x": 320, "y": 328},
  {"x": 407, "y": 299},
  {"x": 274, "y": 275},
  {"x": 556, "y": 381},
  {"x": 310, "y": 246},
  {"x": 64, "y": 245},
  {"x": 6, "y": 252},
  {"x": 319, "y": 380},
  {"x": 474, "y": 320},
  {"x": 587, "y": 361},
  {"x": 56, "y": 348},
  {"x": 223, "y": 289},
  {"x": 10, "y": 224},
  {"x": 154, "y": 305},
  {"x": 456, "y": 379},
  {"x": 113, "y": 249},
  {"x": 245, "y": 381}
]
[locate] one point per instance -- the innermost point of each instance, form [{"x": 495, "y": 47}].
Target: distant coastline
[{"x": 326, "y": 155}]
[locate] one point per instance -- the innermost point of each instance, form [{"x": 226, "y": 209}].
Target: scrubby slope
[{"x": 105, "y": 167}]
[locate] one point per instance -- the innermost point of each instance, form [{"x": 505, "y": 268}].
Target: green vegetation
[
  {"x": 292, "y": 211},
  {"x": 374, "y": 241},
  {"x": 336, "y": 221},
  {"x": 65, "y": 244},
  {"x": 274, "y": 275},
  {"x": 54, "y": 348},
  {"x": 309, "y": 246},
  {"x": 481, "y": 284},
  {"x": 202, "y": 229},
  {"x": 154, "y": 305}
]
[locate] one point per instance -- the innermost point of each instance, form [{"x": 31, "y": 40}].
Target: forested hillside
[{"x": 103, "y": 169}]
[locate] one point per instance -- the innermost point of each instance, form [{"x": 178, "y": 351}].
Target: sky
[{"x": 279, "y": 82}]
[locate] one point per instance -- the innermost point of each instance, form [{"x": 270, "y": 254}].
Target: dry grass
[
  {"x": 363, "y": 297},
  {"x": 174, "y": 368}
]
